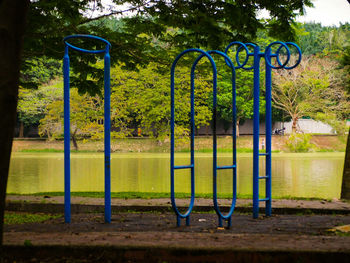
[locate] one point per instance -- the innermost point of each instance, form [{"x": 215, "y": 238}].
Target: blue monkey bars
[
  {"x": 257, "y": 55},
  {"x": 172, "y": 133},
  {"x": 107, "y": 123}
]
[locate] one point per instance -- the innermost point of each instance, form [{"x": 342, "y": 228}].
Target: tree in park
[
  {"x": 202, "y": 24},
  {"x": 244, "y": 98},
  {"x": 32, "y": 104},
  {"x": 145, "y": 95},
  {"x": 86, "y": 117},
  {"x": 313, "y": 89}
]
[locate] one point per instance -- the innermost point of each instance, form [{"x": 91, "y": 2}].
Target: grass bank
[
  {"x": 153, "y": 195},
  {"x": 322, "y": 143}
]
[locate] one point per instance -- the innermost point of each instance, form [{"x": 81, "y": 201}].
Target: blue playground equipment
[
  {"x": 107, "y": 123},
  {"x": 257, "y": 55}
]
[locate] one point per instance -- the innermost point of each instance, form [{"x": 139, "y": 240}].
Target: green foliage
[
  {"x": 298, "y": 142},
  {"x": 32, "y": 104},
  {"x": 145, "y": 33},
  {"x": 86, "y": 117},
  {"x": 146, "y": 99},
  {"x": 313, "y": 38},
  {"x": 39, "y": 70},
  {"x": 338, "y": 125}
]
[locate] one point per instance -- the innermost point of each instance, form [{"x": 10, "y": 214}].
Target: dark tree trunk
[
  {"x": 21, "y": 130},
  {"x": 345, "y": 187},
  {"x": 12, "y": 23},
  {"x": 74, "y": 140}
]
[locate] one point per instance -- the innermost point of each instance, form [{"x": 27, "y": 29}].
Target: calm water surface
[{"x": 298, "y": 175}]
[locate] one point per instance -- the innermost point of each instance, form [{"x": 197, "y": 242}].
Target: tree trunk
[
  {"x": 294, "y": 124},
  {"x": 74, "y": 140},
  {"x": 21, "y": 130},
  {"x": 12, "y": 23},
  {"x": 237, "y": 128},
  {"x": 345, "y": 187}
]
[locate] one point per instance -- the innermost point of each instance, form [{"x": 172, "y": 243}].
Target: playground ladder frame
[{"x": 107, "y": 123}]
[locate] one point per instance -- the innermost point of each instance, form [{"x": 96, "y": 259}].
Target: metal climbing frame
[
  {"x": 257, "y": 55},
  {"x": 267, "y": 55},
  {"x": 107, "y": 123},
  {"x": 173, "y": 167},
  {"x": 233, "y": 166}
]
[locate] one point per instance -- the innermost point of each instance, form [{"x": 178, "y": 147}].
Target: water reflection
[{"x": 298, "y": 175}]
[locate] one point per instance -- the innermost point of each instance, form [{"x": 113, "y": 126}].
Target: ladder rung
[
  {"x": 264, "y": 199},
  {"x": 263, "y": 177},
  {"x": 264, "y": 154},
  {"x": 184, "y": 166},
  {"x": 226, "y": 167}
]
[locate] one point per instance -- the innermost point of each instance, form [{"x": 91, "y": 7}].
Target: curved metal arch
[
  {"x": 108, "y": 45},
  {"x": 234, "y": 157},
  {"x": 172, "y": 134}
]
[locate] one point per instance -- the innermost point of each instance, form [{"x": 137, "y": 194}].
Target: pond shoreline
[{"x": 321, "y": 143}]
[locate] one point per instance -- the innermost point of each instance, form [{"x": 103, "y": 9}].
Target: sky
[{"x": 327, "y": 12}]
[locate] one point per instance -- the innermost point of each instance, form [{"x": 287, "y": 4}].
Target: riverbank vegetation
[{"x": 320, "y": 143}]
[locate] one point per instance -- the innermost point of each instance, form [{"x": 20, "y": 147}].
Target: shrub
[{"x": 299, "y": 142}]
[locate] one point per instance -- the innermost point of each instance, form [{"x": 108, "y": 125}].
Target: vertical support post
[
  {"x": 172, "y": 140},
  {"x": 215, "y": 149},
  {"x": 67, "y": 209},
  {"x": 107, "y": 135},
  {"x": 192, "y": 140},
  {"x": 268, "y": 129},
  {"x": 234, "y": 140},
  {"x": 256, "y": 132}
]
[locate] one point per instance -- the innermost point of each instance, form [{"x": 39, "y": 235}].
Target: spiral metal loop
[
  {"x": 249, "y": 54},
  {"x": 241, "y": 45},
  {"x": 299, "y": 53},
  {"x": 268, "y": 55}
]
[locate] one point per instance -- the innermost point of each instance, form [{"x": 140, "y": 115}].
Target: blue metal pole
[
  {"x": 192, "y": 140},
  {"x": 268, "y": 123},
  {"x": 215, "y": 172},
  {"x": 107, "y": 135},
  {"x": 256, "y": 132},
  {"x": 66, "y": 137},
  {"x": 172, "y": 141}
]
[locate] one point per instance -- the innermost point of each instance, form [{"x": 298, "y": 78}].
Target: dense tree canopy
[{"x": 148, "y": 28}]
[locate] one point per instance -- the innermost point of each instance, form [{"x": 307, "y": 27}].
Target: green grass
[
  {"x": 46, "y": 150},
  {"x": 152, "y": 195},
  {"x": 23, "y": 218},
  {"x": 225, "y": 150}
]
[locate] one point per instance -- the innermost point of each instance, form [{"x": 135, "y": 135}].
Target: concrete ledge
[
  {"x": 84, "y": 208},
  {"x": 161, "y": 254}
]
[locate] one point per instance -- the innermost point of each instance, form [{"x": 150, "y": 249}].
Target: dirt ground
[
  {"x": 282, "y": 231},
  {"x": 298, "y": 231},
  {"x": 287, "y": 233}
]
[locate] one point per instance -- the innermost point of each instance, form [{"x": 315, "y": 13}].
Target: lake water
[{"x": 297, "y": 174}]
